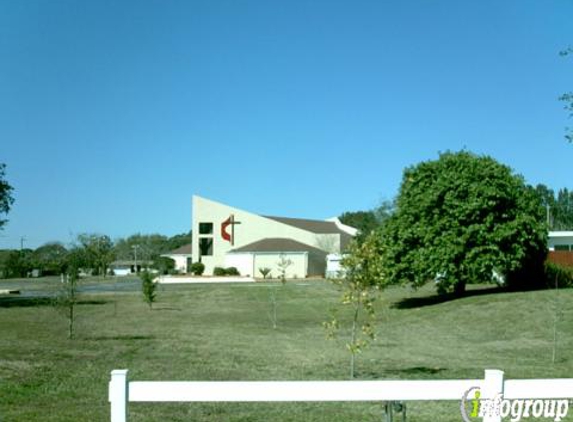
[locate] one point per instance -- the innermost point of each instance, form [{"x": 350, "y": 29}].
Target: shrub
[
  {"x": 197, "y": 268},
  {"x": 220, "y": 271},
  {"x": 558, "y": 275},
  {"x": 265, "y": 271}
]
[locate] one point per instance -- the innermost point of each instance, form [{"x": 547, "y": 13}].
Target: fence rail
[{"x": 121, "y": 391}]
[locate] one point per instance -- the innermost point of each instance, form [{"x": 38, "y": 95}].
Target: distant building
[
  {"x": 560, "y": 245},
  {"x": 224, "y": 236},
  {"x": 127, "y": 267},
  {"x": 560, "y": 241},
  {"x": 182, "y": 258}
]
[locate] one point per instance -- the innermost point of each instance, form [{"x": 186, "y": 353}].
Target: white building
[
  {"x": 224, "y": 236},
  {"x": 334, "y": 265},
  {"x": 560, "y": 241},
  {"x": 181, "y": 256}
]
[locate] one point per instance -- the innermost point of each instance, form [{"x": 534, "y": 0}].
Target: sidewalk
[{"x": 166, "y": 279}]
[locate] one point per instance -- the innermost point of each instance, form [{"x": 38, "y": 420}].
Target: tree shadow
[
  {"x": 32, "y": 301},
  {"x": 436, "y": 299},
  {"x": 416, "y": 370},
  {"x": 166, "y": 309}
]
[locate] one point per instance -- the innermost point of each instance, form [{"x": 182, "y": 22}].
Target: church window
[{"x": 205, "y": 228}]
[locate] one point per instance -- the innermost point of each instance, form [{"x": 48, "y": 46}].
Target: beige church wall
[
  {"x": 330, "y": 243},
  {"x": 180, "y": 262},
  {"x": 271, "y": 260},
  {"x": 243, "y": 262},
  {"x": 252, "y": 228},
  {"x": 316, "y": 264}
]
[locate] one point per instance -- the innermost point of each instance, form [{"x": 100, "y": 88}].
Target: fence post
[
  {"x": 492, "y": 389},
  {"x": 118, "y": 395}
]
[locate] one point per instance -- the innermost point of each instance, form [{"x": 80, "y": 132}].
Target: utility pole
[{"x": 22, "y": 239}]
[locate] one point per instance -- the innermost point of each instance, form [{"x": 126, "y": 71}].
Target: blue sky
[{"x": 112, "y": 114}]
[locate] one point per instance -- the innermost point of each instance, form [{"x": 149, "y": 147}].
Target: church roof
[
  {"x": 317, "y": 227},
  {"x": 313, "y": 226},
  {"x": 277, "y": 245},
  {"x": 182, "y": 250}
]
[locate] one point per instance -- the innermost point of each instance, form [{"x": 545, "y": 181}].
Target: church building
[{"x": 224, "y": 236}]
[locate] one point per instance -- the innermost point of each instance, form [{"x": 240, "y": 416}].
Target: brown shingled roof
[
  {"x": 314, "y": 226},
  {"x": 182, "y": 250},
  {"x": 277, "y": 245}
]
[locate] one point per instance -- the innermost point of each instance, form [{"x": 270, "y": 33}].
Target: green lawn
[{"x": 224, "y": 332}]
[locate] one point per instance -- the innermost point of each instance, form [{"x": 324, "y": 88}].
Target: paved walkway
[{"x": 186, "y": 280}]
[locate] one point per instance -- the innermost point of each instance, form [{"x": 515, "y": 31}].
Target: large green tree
[
  {"x": 559, "y": 207},
  {"x": 51, "y": 258},
  {"x": 364, "y": 221},
  {"x": 367, "y": 221},
  {"x": 96, "y": 251},
  {"x": 461, "y": 218},
  {"x": 148, "y": 246},
  {"x": 6, "y": 198},
  {"x": 17, "y": 263},
  {"x": 177, "y": 241}
]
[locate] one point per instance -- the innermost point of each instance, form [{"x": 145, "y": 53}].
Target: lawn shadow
[
  {"x": 25, "y": 301},
  {"x": 93, "y": 302},
  {"x": 122, "y": 337},
  {"x": 413, "y": 372},
  {"x": 167, "y": 309},
  {"x": 436, "y": 299}
]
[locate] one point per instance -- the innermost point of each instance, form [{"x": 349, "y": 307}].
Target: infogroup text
[{"x": 515, "y": 409}]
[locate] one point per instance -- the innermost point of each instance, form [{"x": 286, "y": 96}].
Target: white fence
[{"x": 493, "y": 386}]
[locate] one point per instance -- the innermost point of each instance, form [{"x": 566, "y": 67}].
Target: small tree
[
  {"x": 364, "y": 277},
  {"x": 557, "y": 277},
  {"x": 148, "y": 288},
  {"x": 67, "y": 298},
  {"x": 282, "y": 264},
  {"x": 265, "y": 272}
]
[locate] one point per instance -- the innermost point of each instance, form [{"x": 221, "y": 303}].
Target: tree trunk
[
  {"x": 71, "y": 321},
  {"x": 460, "y": 289},
  {"x": 353, "y": 341}
]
